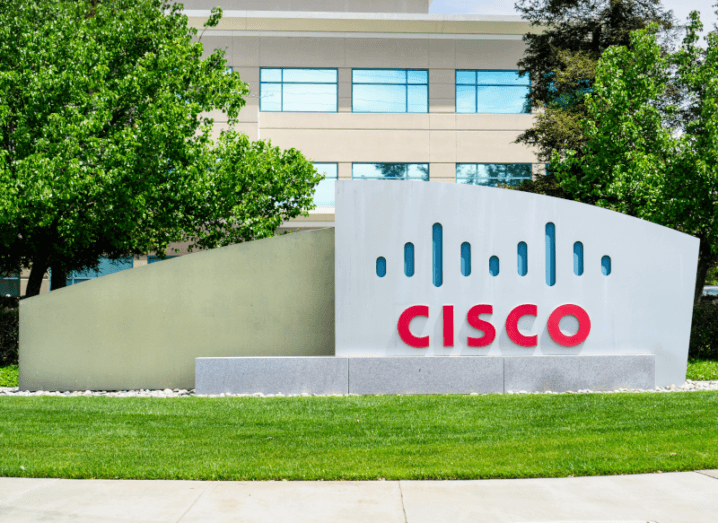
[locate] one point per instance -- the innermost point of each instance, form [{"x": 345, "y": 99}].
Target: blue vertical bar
[
  {"x": 409, "y": 259},
  {"x": 550, "y": 254},
  {"x": 438, "y": 254},
  {"x": 606, "y": 265},
  {"x": 465, "y": 259},
  {"x": 494, "y": 266},
  {"x": 578, "y": 259},
  {"x": 381, "y": 267},
  {"x": 523, "y": 259}
]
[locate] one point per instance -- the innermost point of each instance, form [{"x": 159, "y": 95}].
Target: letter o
[
  {"x": 403, "y": 326},
  {"x": 584, "y": 325}
]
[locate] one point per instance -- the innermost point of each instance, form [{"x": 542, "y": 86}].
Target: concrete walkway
[{"x": 685, "y": 497}]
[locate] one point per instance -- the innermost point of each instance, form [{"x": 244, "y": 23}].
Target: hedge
[
  {"x": 9, "y": 330},
  {"x": 704, "y": 333}
]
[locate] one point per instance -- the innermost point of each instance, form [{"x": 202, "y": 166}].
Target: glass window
[
  {"x": 298, "y": 90},
  {"x": 10, "y": 284},
  {"x": 105, "y": 267},
  {"x": 492, "y": 92},
  {"x": 324, "y": 195},
  {"x": 391, "y": 171},
  {"x": 390, "y": 91},
  {"x": 493, "y": 174}
]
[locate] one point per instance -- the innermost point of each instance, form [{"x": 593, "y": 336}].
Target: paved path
[{"x": 685, "y": 497}]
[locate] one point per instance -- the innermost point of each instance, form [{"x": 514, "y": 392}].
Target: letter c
[
  {"x": 403, "y": 326},
  {"x": 512, "y": 325}
]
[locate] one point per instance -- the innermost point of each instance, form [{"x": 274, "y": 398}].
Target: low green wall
[{"x": 143, "y": 328}]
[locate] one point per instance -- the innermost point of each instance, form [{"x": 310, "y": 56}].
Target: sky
[{"x": 680, "y": 8}]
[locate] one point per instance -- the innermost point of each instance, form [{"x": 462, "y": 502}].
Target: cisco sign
[
  {"x": 488, "y": 330},
  {"x": 440, "y": 269}
]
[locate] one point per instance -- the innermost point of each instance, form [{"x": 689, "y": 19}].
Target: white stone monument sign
[{"x": 436, "y": 269}]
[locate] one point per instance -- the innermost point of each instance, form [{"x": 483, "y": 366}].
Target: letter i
[{"x": 448, "y": 325}]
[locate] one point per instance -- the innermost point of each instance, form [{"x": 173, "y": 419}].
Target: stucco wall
[{"x": 143, "y": 328}]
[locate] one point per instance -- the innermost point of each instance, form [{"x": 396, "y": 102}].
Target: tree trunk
[
  {"x": 706, "y": 259},
  {"x": 58, "y": 278},
  {"x": 37, "y": 273}
]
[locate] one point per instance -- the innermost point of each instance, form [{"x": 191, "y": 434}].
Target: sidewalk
[{"x": 684, "y": 497}]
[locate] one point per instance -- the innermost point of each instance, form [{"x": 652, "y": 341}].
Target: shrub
[
  {"x": 9, "y": 330},
  {"x": 704, "y": 332}
]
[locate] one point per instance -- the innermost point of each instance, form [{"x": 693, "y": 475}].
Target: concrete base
[
  {"x": 422, "y": 375},
  {"x": 271, "y": 375}
]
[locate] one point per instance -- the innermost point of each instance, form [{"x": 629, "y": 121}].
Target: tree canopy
[
  {"x": 640, "y": 157},
  {"x": 106, "y": 146}
]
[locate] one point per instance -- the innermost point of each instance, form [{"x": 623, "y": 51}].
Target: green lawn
[{"x": 371, "y": 437}]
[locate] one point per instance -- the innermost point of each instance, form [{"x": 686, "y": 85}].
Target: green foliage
[
  {"x": 9, "y": 331},
  {"x": 702, "y": 370},
  {"x": 568, "y": 39},
  {"x": 634, "y": 161},
  {"x": 106, "y": 146},
  {"x": 9, "y": 376},
  {"x": 704, "y": 332},
  {"x": 395, "y": 437}
]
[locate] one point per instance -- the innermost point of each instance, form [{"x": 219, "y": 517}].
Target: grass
[
  {"x": 8, "y": 376},
  {"x": 358, "y": 438},
  {"x": 702, "y": 370}
]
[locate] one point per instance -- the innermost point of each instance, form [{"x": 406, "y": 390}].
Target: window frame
[
  {"x": 282, "y": 82},
  {"x": 456, "y": 173},
  {"x": 477, "y": 85},
  {"x": 406, "y": 85}
]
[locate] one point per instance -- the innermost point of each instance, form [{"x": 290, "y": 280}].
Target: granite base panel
[
  {"x": 310, "y": 375},
  {"x": 562, "y": 373},
  {"x": 422, "y": 375},
  {"x": 430, "y": 375}
]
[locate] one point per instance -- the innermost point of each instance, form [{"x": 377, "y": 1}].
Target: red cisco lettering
[
  {"x": 448, "y": 325},
  {"x": 403, "y": 326},
  {"x": 512, "y": 326},
  {"x": 477, "y": 323},
  {"x": 584, "y": 325}
]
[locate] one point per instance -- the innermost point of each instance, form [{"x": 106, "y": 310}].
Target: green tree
[
  {"x": 561, "y": 59},
  {"x": 106, "y": 148},
  {"x": 640, "y": 156}
]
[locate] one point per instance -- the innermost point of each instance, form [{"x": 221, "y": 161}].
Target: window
[
  {"x": 391, "y": 171},
  {"x": 298, "y": 90},
  {"x": 10, "y": 284},
  {"x": 492, "y": 92},
  {"x": 390, "y": 91},
  {"x": 493, "y": 174},
  {"x": 106, "y": 267},
  {"x": 324, "y": 195}
]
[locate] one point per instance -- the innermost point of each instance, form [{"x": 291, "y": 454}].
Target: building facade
[{"x": 376, "y": 89}]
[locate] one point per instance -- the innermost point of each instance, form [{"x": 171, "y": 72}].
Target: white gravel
[{"x": 689, "y": 386}]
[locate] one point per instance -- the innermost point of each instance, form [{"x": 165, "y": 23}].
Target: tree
[
  {"x": 106, "y": 148},
  {"x": 640, "y": 156},
  {"x": 561, "y": 60}
]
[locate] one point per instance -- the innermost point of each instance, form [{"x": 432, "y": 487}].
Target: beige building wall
[
  {"x": 143, "y": 328},
  {"x": 355, "y": 6},
  {"x": 441, "y": 138}
]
